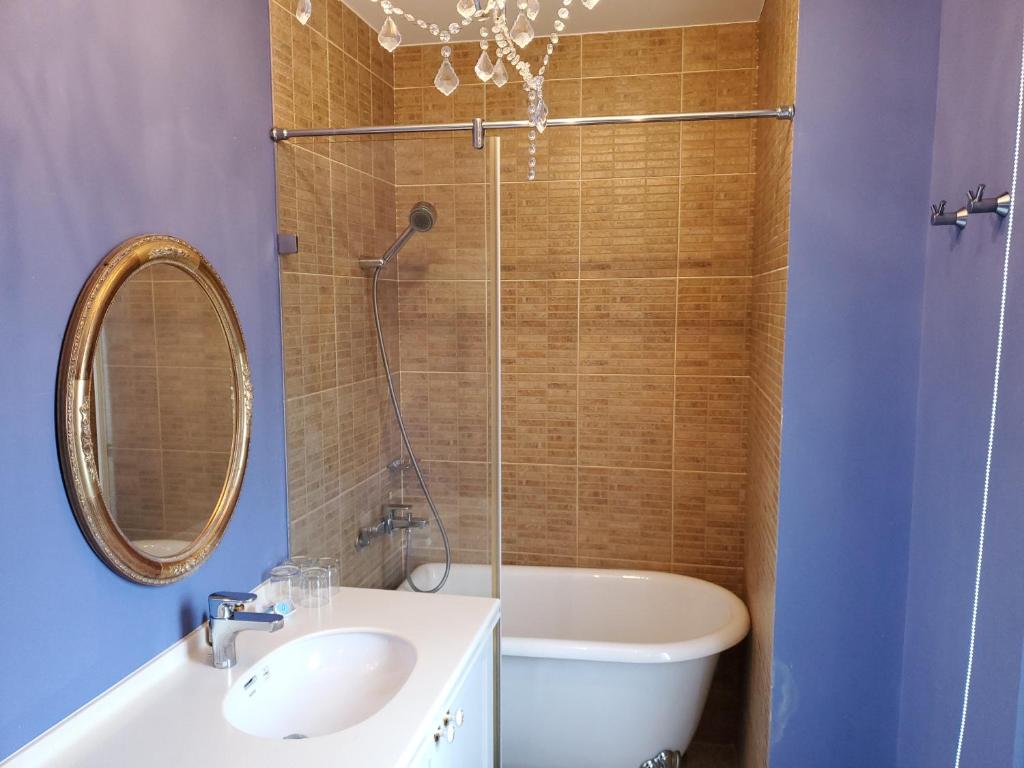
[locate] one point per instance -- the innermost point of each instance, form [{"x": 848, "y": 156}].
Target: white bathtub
[{"x": 601, "y": 668}]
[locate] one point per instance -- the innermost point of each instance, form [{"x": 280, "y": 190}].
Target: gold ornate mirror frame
[{"x": 75, "y": 431}]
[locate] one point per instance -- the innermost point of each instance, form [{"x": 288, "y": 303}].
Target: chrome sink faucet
[{"x": 227, "y": 617}]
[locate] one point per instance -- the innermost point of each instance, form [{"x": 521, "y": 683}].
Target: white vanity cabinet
[
  {"x": 463, "y": 734},
  {"x": 141, "y": 719}
]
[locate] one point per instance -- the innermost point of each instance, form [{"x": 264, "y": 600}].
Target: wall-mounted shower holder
[
  {"x": 940, "y": 218},
  {"x": 978, "y": 203}
]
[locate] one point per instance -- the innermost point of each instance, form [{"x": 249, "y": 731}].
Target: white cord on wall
[{"x": 992, "y": 417}]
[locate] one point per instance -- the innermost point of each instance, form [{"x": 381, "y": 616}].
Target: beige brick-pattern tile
[
  {"x": 615, "y": 503},
  {"x": 446, "y": 415},
  {"x": 632, "y": 95},
  {"x": 709, "y": 519},
  {"x": 444, "y": 324},
  {"x": 627, "y": 326},
  {"x": 460, "y": 490},
  {"x": 713, "y": 327},
  {"x": 719, "y": 47},
  {"x": 767, "y": 335},
  {"x": 539, "y": 511},
  {"x": 626, "y": 421},
  {"x": 630, "y": 228},
  {"x": 539, "y": 418},
  {"x": 558, "y": 154},
  {"x": 631, "y": 151},
  {"x": 540, "y": 229},
  {"x": 192, "y": 482},
  {"x": 711, "y": 424},
  {"x": 314, "y": 451},
  {"x": 135, "y": 422},
  {"x": 308, "y": 333},
  {"x": 356, "y": 341},
  {"x": 197, "y": 408},
  {"x": 539, "y": 326},
  {"x": 648, "y": 52},
  {"x": 716, "y": 229}
]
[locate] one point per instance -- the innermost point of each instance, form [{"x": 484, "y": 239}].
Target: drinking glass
[
  {"x": 316, "y": 586},
  {"x": 302, "y": 562},
  {"x": 333, "y": 567},
  {"x": 284, "y": 587}
]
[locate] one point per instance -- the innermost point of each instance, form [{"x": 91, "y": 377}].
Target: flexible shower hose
[{"x": 412, "y": 456}]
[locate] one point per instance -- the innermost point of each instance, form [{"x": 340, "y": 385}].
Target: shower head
[{"x": 422, "y": 216}]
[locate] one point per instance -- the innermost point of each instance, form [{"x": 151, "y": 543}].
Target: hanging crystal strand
[
  {"x": 389, "y": 37},
  {"x": 522, "y": 31},
  {"x": 484, "y": 67},
  {"x": 446, "y": 80},
  {"x": 500, "y": 75},
  {"x": 303, "y": 10},
  {"x": 491, "y": 15},
  {"x": 531, "y": 172}
]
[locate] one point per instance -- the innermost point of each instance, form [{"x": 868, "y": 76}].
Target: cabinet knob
[
  {"x": 460, "y": 717},
  {"x": 450, "y": 733}
]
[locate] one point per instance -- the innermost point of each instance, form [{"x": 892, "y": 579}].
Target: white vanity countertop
[{"x": 169, "y": 712}]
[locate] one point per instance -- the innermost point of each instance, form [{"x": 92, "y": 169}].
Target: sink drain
[{"x": 296, "y": 736}]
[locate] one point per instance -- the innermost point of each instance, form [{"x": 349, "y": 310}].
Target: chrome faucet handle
[
  {"x": 400, "y": 517},
  {"x": 222, "y": 605}
]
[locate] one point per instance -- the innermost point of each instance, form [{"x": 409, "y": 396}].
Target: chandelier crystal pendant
[{"x": 509, "y": 40}]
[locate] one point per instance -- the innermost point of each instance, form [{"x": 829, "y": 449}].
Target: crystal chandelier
[{"x": 509, "y": 40}]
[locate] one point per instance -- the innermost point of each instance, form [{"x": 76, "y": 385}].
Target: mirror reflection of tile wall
[{"x": 165, "y": 406}]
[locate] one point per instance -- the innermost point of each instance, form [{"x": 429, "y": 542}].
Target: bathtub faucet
[{"x": 401, "y": 517}]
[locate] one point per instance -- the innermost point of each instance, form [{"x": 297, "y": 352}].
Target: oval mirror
[{"x": 155, "y": 408}]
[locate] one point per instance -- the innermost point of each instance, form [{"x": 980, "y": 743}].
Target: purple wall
[
  {"x": 862, "y": 158},
  {"x": 974, "y": 136},
  {"x": 121, "y": 117}
]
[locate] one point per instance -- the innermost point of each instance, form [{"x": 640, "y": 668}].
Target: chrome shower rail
[{"x": 479, "y": 126}]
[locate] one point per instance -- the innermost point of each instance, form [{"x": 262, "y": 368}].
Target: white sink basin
[{"x": 320, "y": 684}]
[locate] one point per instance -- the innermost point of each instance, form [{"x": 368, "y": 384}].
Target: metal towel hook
[
  {"x": 942, "y": 219},
  {"x": 978, "y": 203}
]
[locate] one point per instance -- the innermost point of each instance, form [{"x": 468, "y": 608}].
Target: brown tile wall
[
  {"x": 167, "y": 360},
  {"x": 626, "y": 295},
  {"x": 777, "y": 70},
  {"x": 642, "y": 307},
  {"x": 339, "y": 196},
  {"x": 627, "y": 280}
]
